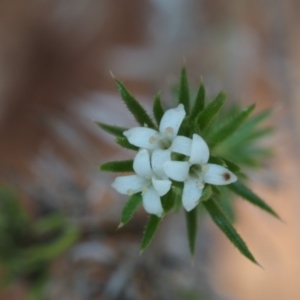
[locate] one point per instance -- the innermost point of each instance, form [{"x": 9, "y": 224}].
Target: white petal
[
  {"x": 182, "y": 145},
  {"x": 217, "y": 175},
  {"x": 199, "y": 151},
  {"x": 141, "y": 164},
  {"x": 191, "y": 193},
  {"x": 158, "y": 158},
  {"x": 161, "y": 186},
  {"x": 177, "y": 170},
  {"x": 152, "y": 203},
  {"x": 172, "y": 120},
  {"x": 130, "y": 184},
  {"x": 142, "y": 137}
]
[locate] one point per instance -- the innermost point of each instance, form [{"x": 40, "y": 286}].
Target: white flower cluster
[{"x": 154, "y": 168}]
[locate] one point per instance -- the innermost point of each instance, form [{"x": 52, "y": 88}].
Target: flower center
[{"x": 195, "y": 170}]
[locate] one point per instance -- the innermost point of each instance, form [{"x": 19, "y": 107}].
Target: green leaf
[
  {"x": 130, "y": 208},
  {"x": 134, "y": 106},
  {"x": 158, "y": 110},
  {"x": 206, "y": 193},
  {"x": 224, "y": 224},
  {"x": 248, "y": 195},
  {"x": 230, "y": 126},
  {"x": 35, "y": 255},
  {"x": 149, "y": 232},
  {"x": 211, "y": 110},
  {"x": 114, "y": 130},
  {"x": 118, "y": 166},
  {"x": 184, "y": 96},
  {"x": 216, "y": 160},
  {"x": 48, "y": 223},
  {"x": 168, "y": 200},
  {"x": 231, "y": 166},
  {"x": 191, "y": 223},
  {"x": 123, "y": 142},
  {"x": 199, "y": 102}
]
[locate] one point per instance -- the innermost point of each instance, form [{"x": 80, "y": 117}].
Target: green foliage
[
  {"x": 207, "y": 115},
  {"x": 28, "y": 246},
  {"x": 134, "y": 106},
  {"x": 117, "y": 166},
  {"x": 149, "y": 232},
  {"x": 233, "y": 137},
  {"x": 242, "y": 147},
  {"x": 231, "y": 125},
  {"x": 114, "y": 130},
  {"x": 241, "y": 190},
  {"x": 224, "y": 224},
  {"x": 168, "y": 200},
  {"x": 199, "y": 103},
  {"x": 207, "y": 192},
  {"x": 184, "y": 95},
  {"x": 158, "y": 110},
  {"x": 123, "y": 142},
  {"x": 130, "y": 208},
  {"x": 191, "y": 222}
]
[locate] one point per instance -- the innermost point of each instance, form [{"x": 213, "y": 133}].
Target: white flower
[
  {"x": 153, "y": 183},
  {"x": 165, "y": 138},
  {"x": 196, "y": 172}
]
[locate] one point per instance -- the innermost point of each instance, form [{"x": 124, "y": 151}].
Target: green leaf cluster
[
  {"x": 28, "y": 246},
  {"x": 233, "y": 137}
]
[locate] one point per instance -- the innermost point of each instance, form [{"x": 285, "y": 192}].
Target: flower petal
[
  {"x": 152, "y": 203},
  {"x": 142, "y": 137},
  {"x": 161, "y": 186},
  {"x": 141, "y": 164},
  {"x": 217, "y": 175},
  {"x": 177, "y": 170},
  {"x": 182, "y": 145},
  {"x": 172, "y": 120},
  {"x": 130, "y": 184},
  {"x": 158, "y": 158},
  {"x": 191, "y": 194},
  {"x": 199, "y": 151}
]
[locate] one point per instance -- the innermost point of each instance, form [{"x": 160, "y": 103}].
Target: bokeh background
[{"x": 55, "y": 63}]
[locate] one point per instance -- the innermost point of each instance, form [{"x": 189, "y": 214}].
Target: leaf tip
[
  {"x": 120, "y": 225},
  {"x": 112, "y": 75}
]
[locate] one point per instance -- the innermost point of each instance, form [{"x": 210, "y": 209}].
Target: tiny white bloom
[
  {"x": 152, "y": 182},
  {"x": 151, "y": 139},
  {"x": 196, "y": 172}
]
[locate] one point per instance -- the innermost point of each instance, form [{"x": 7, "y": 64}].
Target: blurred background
[{"x": 55, "y": 59}]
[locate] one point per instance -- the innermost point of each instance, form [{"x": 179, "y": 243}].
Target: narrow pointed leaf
[
  {"x": 248, "y": 195},
  {"x": 184, "y": 96},
  {"x": 123, "y": 142},
  {"x": 199, "y": 102},
  {"x": 206, "y": 193},
  {"x": 130, "y": 208},
  {"x": 224, "y": 224},
  {"x": 150, "y": 231},
  {"x": 231, "y": 166},
  {"x": 230, "y": 126},
  {"x": 191, "y": 224},
  {"x": 168, "y": 200},
  {"x": 114, "y": 130},
  {"x": 216, "y": 190},
  {"x": 216, "y": 160},
  {"x": 117, "y": 166},
  {"x": 158, "y": 110},
  {"x": 259, "y": 134},
  {"x": 134, "y": 106},
  {"x": 211, "y": 110}
]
